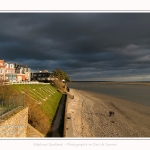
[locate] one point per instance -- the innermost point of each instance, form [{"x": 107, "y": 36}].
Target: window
[
  {"x": 39, "y": 75},
  {"x": 11, "y": 66},
  {"x": 6, "y": 65},
  {"x": 11, "y": 71},
  {"x": 34, "y": 75}
]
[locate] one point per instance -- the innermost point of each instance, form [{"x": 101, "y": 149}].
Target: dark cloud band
[{"x": 88, "y": 46}]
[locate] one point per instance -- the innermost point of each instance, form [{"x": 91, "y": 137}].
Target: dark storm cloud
[{"x": 94, "y": 46}]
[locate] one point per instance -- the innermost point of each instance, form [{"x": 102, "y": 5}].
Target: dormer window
[
  {"x": 11, "y": 66},
  {"x": 6, "y": 65}
]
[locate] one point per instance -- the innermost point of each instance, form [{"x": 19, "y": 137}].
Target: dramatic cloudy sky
[{"x": 88, "y": 46}]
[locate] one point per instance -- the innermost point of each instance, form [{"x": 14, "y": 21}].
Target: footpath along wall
[{"x": 68, "y": 128}]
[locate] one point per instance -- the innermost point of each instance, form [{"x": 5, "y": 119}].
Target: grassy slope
[{"x": 46, "y": 96}]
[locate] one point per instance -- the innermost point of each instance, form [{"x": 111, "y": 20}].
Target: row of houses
[{"x": 14, "y": 72}]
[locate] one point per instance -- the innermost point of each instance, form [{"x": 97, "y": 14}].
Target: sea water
[{"x": 135, "y": 93}]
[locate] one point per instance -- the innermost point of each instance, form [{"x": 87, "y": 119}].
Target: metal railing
[
  {"x": 31, "y": 82},
  {"x": 9, "y": 103}
]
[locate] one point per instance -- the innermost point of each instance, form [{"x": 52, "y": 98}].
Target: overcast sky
[{"x": 88, "y": 46}]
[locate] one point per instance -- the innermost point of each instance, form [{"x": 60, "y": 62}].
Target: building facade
[
  {"x": 23, "y": 72},
  {"x": 13, "y": 72},
  {"x": 2, "y": 70},
  {"x": 43, "y": 77},
  {"x": 10, "y": 72}
]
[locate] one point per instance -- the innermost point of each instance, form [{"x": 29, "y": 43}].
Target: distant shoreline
[
  {"x": 115, "y": 82},
  {"x": 132, "y": 91}
]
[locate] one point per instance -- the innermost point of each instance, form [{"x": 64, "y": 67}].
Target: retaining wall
[
  {"x": 32, "y": 132},
  {"x": 68, "y": 129},
  {"x": 15, "y": 125}
]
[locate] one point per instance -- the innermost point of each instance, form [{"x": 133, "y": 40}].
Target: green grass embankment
[{"x": 43, "y": 102}]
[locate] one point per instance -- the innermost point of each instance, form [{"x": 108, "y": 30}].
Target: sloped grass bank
[{"x": 43, "y": 101}]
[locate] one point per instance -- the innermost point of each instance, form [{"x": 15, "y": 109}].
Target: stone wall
[
  {"x": 68, "y": 129},
  {"x": 32, "y": 132},
  {"x": 15, "y": 125}
]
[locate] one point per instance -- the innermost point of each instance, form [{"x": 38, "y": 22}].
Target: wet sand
[{"x": 90, "y": 116}]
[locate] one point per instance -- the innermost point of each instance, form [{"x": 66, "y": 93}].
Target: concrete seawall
[{"x": 68, "y": 129}]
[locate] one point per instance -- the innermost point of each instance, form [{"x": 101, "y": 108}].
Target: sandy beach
[{"x": 90, "y": 116}]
